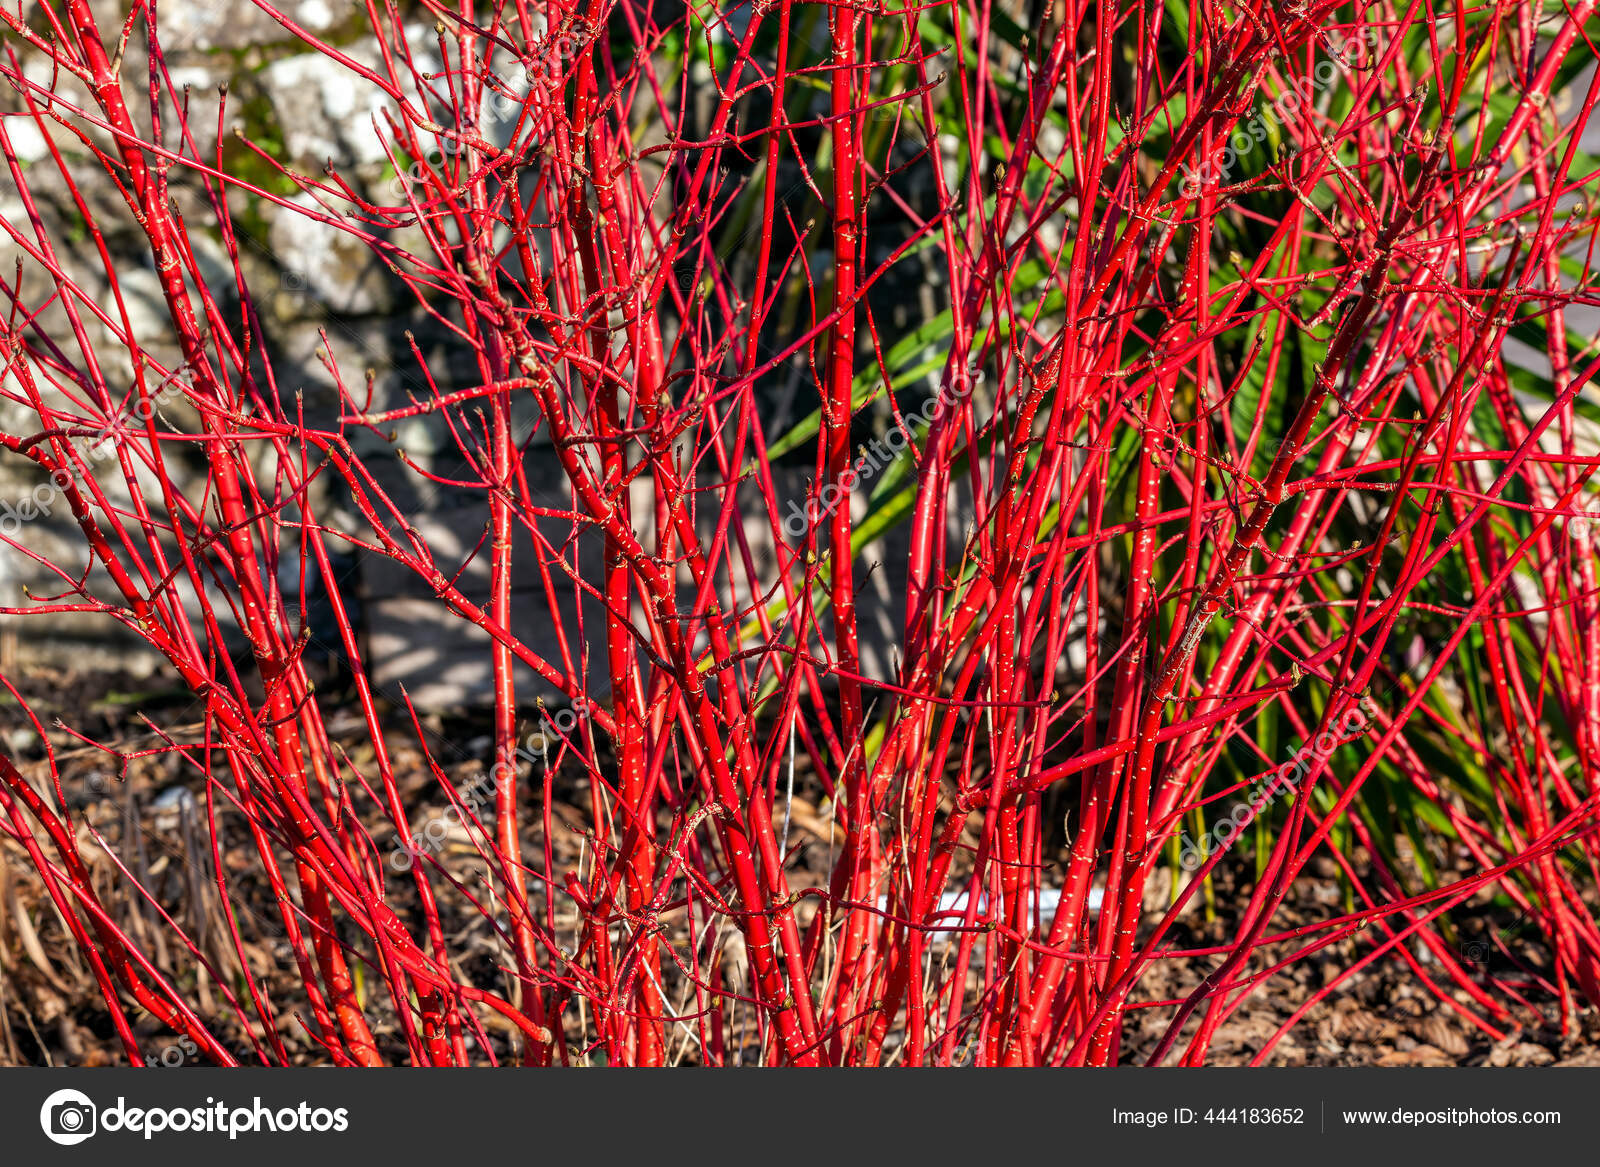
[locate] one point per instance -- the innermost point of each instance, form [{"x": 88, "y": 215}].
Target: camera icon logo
[{"x": 68, "y": 1117}]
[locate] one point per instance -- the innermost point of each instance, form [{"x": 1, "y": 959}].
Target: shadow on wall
[
  {"x": 443, "y": 661},
  {"x": 310, "y": 282}
]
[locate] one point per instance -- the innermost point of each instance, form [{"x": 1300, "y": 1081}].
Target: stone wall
[{"x": 311, "y": 280}]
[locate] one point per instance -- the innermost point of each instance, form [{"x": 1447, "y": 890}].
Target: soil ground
[{"x": 51, "y": 1013}]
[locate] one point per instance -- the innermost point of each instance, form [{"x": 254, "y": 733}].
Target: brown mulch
[
  {"x": 51, "y": 1013},
  {"x": 1381, "y": 1015}
]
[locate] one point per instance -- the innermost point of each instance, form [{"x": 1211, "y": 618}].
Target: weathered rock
[
  {"x": 325, "y": 111},
  {"x": 210, "y": 25},
  {"x": 326, "y": 268}
]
